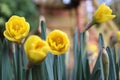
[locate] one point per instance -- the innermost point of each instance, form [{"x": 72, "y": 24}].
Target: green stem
[
  {"x": 29, "y": 66},
  {"x": 55, "y": 67},
  {"x": 19, "y": 66},
  {"x": 89, "y": 25},
  {"x": 27, "y": 74}
]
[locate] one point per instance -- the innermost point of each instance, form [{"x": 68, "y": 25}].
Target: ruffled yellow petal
[
  {"x": 106, "y": 18},
  {"x": 36, "y": 49},
  {"x": 17, "y": 28},
  {"x": 36, "y": 56},
  {"x": 103, "y": 14},
  {"x": 100, "y": 9},
  {"x": 58, "y": 42},
  {"x": 6, "y": 34}
]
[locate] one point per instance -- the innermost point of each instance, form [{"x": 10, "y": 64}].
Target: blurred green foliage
[{"x": 25, "y": 8}]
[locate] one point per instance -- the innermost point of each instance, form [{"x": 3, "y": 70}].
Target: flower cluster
[
  {"x": 57, "y": 42},
  {"x": 36, "y": 49}
]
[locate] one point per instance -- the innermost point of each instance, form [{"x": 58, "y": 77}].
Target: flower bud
[
  {"x": 105, "y": 61},
  {"x": 36, "y": 49}
]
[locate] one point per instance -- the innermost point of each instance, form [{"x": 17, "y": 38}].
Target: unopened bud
[{"x": 105, "y": 61}]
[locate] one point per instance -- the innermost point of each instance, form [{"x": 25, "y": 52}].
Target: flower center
[
  {"x": 16, "y": 28},
  {"x": 58, "y": 40},
  {"x": 39, "y": 45}
]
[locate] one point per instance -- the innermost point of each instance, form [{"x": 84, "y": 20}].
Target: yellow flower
[
  {"x": 103, "y": 14},
  {"x": 58, "y": 42},
  {"x": 92, "y": 49},
  {"x": 36, "y": 49},
  {"x": 16, "y": 28},
  {"x": 118, "y": 36}
]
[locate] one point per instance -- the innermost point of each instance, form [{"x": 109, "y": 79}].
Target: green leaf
[
  {"x": 112, "y": 70},
  {"x": 55, "y": 67},
  {"x": 19, "y": 68},
  {"x": 77, "y": 74},
  {"x": 101, "y": 42},
  {"x": 86, "y": 67},
  {"x": 115, "y": 57},
  {"x": 15, "y": 62},
  {"x": 6, "y": 64},
  {"x": 117, "y": 71},
  {"x": 114, "y": 53},
  {"x": 19, "y": 65},
  {"x": 80, "y": 71},
  {"x": 36, "y": 73},
  {"x": 82, "y": 43},
  {"x": 39, "y": 72},
  {"x": 61, "y": 67},
  {"x": 85, "y": 62},
  {"x": 79, "y": 51},
  {"x": 97, "y": 73},
  {"x": 25, "y": 63},
  {"x": 1, "y": 49},
  {"x": 43, "y": 30},
  {"x": 119, "y": 57},
  {"x": 49, "y": 65},
  {"x": 75, "y": 49},
  {"x": 44, "y": 71}
]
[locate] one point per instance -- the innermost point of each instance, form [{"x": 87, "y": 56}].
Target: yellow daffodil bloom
[
  {"x": 103, "y": 14},
  {"x": 118, "y": 36},
  {"x": 16, "y": 28},
  {"x": 36, "y": 49},
  {"x": 58, "y": 42}
]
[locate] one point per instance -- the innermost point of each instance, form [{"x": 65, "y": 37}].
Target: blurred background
[{"x": 66, "y": 15}]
